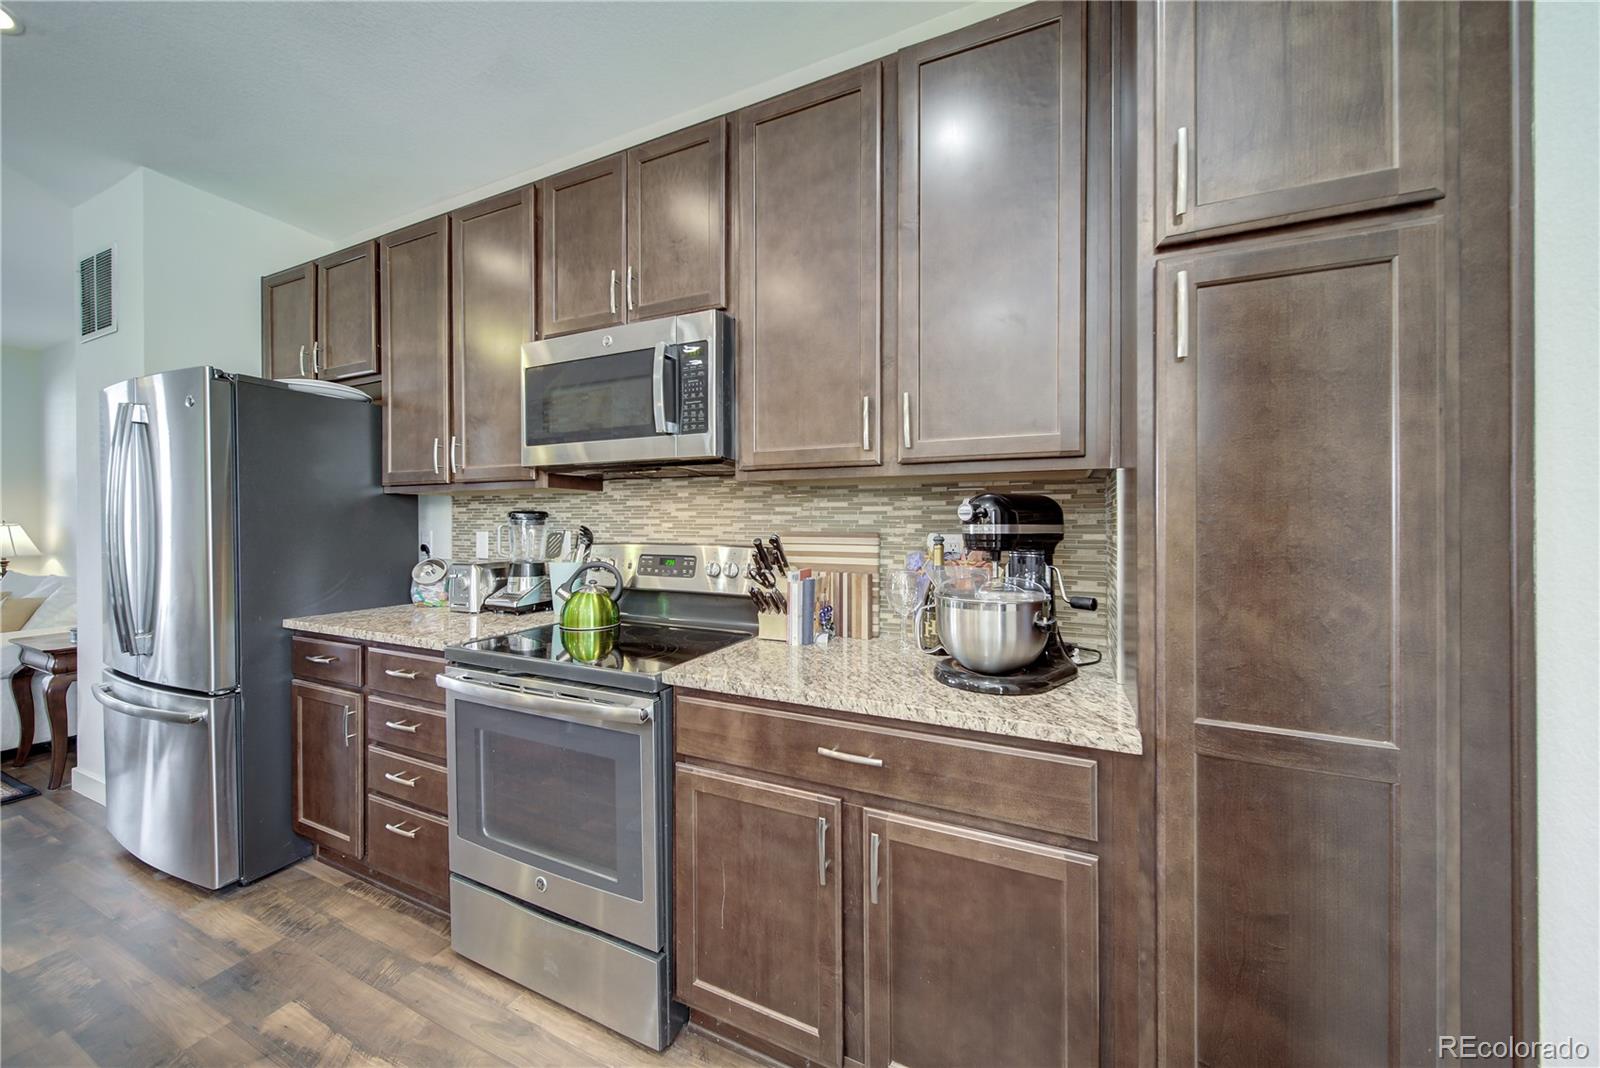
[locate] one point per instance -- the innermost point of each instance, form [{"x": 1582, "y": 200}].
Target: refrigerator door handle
[
  {"x": 116, "y": 561},
  {"x": 142, "y": 609}
]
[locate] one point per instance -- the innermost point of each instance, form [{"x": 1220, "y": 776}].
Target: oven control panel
[
  {"x": 673, "y": 566},
  {"x": 678, "y": 568}
]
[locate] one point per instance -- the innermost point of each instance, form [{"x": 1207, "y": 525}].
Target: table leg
[
  {"x": 55, "y": 704},
  {"x": 22, "y": 690}
]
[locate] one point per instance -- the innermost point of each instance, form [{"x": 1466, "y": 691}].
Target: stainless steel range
[{"x": 561, "y": 789}]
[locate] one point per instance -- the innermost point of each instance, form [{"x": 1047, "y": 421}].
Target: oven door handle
[
  {"x": 658, "y": 391},
  {"x": 530, "y": 702}
]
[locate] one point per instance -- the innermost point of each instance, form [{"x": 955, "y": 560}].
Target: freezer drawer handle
[
  {"x": 402, "y": 725},
  {"x": 396, "y": 673},
  {"x": 323, "y": 659},
  {"x": 102, "y": 693},
  {"x": 394, "y": 776},
  {"x": 400, "y": 829}
]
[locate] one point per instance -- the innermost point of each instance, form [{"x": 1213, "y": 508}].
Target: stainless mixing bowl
[{"x": 994, "y": 632}]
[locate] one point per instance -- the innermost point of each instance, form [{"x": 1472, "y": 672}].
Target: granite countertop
[
  {"x": 880, "y": 677},
  {"x": 417, "y": 627}
]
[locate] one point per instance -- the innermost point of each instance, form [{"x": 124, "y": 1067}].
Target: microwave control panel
[{"x": 692, "y": 385}]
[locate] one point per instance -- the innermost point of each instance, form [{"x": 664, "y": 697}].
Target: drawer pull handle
[
  {"x": 400, "y": 829},
  {"x": 872, "y": 877},
  {"x": 396, "y": 673},
  {"x": 402, "y": 725},
  {"x": 850, "y": 758},
  {"x": 323, "y": 659},
  {"x": 394, "y": 776}
]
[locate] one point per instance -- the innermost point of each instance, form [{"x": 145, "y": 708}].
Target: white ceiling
[{"x": 341, "y": 116}]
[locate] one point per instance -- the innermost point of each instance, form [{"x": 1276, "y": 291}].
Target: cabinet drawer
[
  {"x": 401, "y": 725},
  {"x": 407, "y": 675},
  {"x": 408, "y": 845},
  {"x": 1047, "y": 791},
  {"x": 415, "y": 782},
  {"x": 321, "y": 660}
]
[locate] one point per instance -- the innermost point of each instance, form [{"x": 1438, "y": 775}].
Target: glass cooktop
[{"x": 632, "y": 656}]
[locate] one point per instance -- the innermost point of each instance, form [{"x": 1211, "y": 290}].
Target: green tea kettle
[{"x": 590, "y": 607}]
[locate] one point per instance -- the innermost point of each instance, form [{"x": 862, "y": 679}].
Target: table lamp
[{"x": 14, "y": 541}]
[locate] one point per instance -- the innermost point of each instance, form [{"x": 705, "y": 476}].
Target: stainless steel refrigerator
[{"x": 229, "y": 503}]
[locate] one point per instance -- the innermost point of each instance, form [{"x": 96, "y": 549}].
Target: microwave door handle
[{"x": 658, "y": 391}]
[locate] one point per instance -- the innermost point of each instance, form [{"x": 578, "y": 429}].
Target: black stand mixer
[{"x": 1022, "y": 530}]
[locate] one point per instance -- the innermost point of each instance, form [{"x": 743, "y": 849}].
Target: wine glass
[{"x": 903, "y": 594}]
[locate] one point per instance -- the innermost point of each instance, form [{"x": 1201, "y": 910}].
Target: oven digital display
[{"x": 667, "y": 566}]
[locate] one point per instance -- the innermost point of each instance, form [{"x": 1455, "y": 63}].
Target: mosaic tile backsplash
[{"x": 726, "y": 511}]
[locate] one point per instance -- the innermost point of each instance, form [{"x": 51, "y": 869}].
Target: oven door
[{"x": 555, "y": 799}]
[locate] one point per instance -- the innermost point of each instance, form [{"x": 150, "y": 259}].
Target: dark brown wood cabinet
[
  {"x": 328, "y": 758},
  {"x": 347, "y": 314},
  {"x": 1305, "y": 625},
  {"x": 980, "y": 949},
  {"x": 288, "y": 322},
  {"x": 415, "y": 332},
  {"x": 1275, "y": 112},
  {"x": 758, "y": 912},
  {"x": 636, "y": 235},
  {"x": 992, "y": 208},
  {"x": 491, "y": 255},
  {"x": 810, "y": 344}
]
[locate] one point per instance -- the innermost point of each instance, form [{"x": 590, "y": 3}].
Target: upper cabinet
[
  {"x": 1355, "y": 118},
  {"x": 994, "y": 208},
  {"x": 637, "y": 235},
  {"x": 416, "y": 346},
  {"x": 288, "y": 322},
  {"x": 809, "y": 353},
  {"x": 347, "y": 313}
]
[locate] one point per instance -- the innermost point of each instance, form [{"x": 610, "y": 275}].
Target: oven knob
[
  {"x": 731, "y": 570},
  {"x": 541, "y": 884},
  {"x": 713, "y": 569}
]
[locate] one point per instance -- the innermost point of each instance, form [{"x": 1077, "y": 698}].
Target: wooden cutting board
[{"x": 846, "y": 569}]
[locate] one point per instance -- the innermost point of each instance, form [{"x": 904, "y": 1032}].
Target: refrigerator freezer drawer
[{"x": 172, "y": 792}]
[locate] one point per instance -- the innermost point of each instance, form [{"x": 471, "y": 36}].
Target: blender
[{"x": 527, "y": 587}]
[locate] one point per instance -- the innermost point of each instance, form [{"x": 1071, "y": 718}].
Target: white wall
[
  {"x": 37, "y": 297},
  {"x": 37, "y": 449},
  {"x": 188, "y": 292},
  {"x": 1566, "y": 165}
]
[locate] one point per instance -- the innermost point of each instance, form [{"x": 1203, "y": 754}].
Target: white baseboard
[{"x": 89, "y": 785}]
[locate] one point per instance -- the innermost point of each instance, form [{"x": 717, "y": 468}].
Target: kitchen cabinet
[
  {"x": 758, "y": 910},
  {"x": 415, "y": 336},
  {"x": 491, "y": 256},
  {"x": 980, "y": 948},
  {"x": 636, "y": 235},
  {"x": 347, "y": 343},
  {"x": 994, "y": 341},
  {"x": 810, "y": 344},
  {"x": 288, "y": 322},
  {"x": 328, "y": 765},
  {"x": 1303, "y": 628},
  {"x": 1269, "y": 113}
]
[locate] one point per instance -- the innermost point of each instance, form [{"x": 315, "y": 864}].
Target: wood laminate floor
[{"x": 106, "y": 961}]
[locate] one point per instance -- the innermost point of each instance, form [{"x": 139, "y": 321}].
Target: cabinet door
[
  {"x": 347, "y": 313},
  {"x": 325, "y": 730},
  {"x": 758, "y": 909},
  {"x": 492, "y": 252},
  {"x": 1271, "y": 112},
  {"x": 288, "y": 322},
  {"x": 992, "y": 194},
  {"x": 678, "y": 222},
  {"x": 810, "y": 340},
  {"x": 1303, "y": 629},
  {"x": 980, "y": 949},
  {"x": 584, "y": 252},
  {"x": 415, "y": 317}
]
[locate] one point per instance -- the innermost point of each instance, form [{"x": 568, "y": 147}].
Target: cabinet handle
[
  {"x": 436, "y": 456},
  {"x": 849, "y": 758},
  {"x": 402, "y": 725},
  {"x": 1180, "y": 195},
  {"x": 316, "y": 351},
  {"x": 866, "y": 424},
  {"x": 396, "y": 673},
  {"x": 872, "y": 875},
  {"x": 454, "y": 466},
  {"x": 1182, "y": 317},
  {"x": 613, "y": 292},
  {"x": 400, "y": 829},
  {"x": 396, "y": 777},
  {"x": 348, "y": 733},
  {"x": 822, "y": 851},
  {"x": 905, "y": 419},
  {"x": 323, "y": 659},
  {"x": 627, "y": 287},
  {"x": 302, "y": 361}
]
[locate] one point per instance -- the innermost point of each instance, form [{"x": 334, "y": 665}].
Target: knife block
[{"x": 773, "y": 626}]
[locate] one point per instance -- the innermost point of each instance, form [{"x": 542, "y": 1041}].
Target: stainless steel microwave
[{"x": 658, "y": 391}]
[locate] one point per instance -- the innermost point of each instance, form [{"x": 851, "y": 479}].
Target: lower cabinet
[{"x": 328, "y": 765}]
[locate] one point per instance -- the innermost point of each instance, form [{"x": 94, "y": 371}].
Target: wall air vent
[{"x": 96, "y": 311}]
